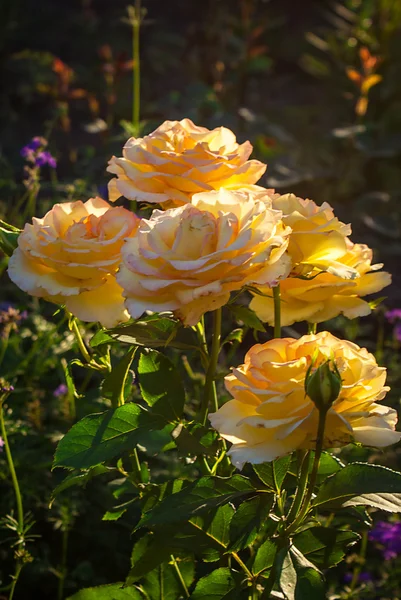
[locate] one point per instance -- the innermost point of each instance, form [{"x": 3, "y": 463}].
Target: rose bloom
[
  {"x": 318, "y": 238},
  {"x": 324, "y": 296},
  {"x": 180, "y": 159},
  {"x": 271, "y": 415},
  {"x": 188, "y": 259},
  {"x": 71, "y": 255}
]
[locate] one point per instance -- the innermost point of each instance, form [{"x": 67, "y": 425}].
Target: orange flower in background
[
  {"x": 71, "y": 255},
  {"x": 271, "y": 415},
  {"x": 180, "y": 159},
  {"x": 366, "y": 79},
  {"x": 188, "y": 259},
  {"x": 323, "y": 295}
]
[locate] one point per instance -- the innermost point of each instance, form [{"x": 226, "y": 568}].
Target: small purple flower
[
  {"x": 34, "y": 145},
  {"x": 388, "y": 535},
  {"x": 1, "y": 444},
  {"x": 45, "y": 158},
  {"x": 61, "y": 390},
  {"x": 394, "y": 315},
  {"x": 363, "y": 576}
]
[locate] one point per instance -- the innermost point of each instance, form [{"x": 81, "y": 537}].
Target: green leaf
[
  {"x": 117, "y": 511},
  {"x": 218, "y": 526},
  {"x": 163, "y": 582},
  {"x": 264, "y": 557},
  {"x": 236, "y": 335},
  {"x": 299, "y": 578},
  {"x": 151, "y": 332},
  {"x": 114, "y": 591},
  {"x": 247, "y": 520},
  {"x": 114, "y": 384},
  {"x": 218, "y": 585},
  {"x": 197, "y": 497},
  {"x": 361, "y": 484},
  {"x": 309, "y": 582},
  {"x": 273, "y": 473},
  {"x": 187, "y": 443},
  {"x": 161, "y": 385},
  {"x": 247, "y": 316},
  {"x": 80, "y": 478},
  {"x": 102, "y": 436},
  {"x": 8, "y": 238},
  {"x": 147, "y": 554},
  {"x": 328, "y": 465},
  {"x": 325, "y": 546}
]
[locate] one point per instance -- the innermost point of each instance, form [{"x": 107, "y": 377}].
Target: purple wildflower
[
  {"x": 61, "y": 390},
  {"x": 363, "y": 576},
  {"x": 394, "y": 315},
  {"x": 45, "y": 158},
  {"x": 388, "y": 535},
  {"x": 1, "y": 444},
  {"x": 34, "y": 145}
]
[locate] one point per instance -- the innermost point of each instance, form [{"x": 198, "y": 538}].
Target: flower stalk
[
  {"x": 277, "y": 311},
  {"x": 210, "y": 394}
]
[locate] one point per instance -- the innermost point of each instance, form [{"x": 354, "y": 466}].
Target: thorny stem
[
  {"x": 277, "y": 311},
  {"x": 180, "y": 577},
  {"x": 210, "y": 394}
]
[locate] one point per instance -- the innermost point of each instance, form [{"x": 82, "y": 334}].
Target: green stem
[
  {"x": 10, "y": 462},
  {"x": 242, "y": 565},
  {"x": 136, "y": 465},
  {"x": 16, "y": 575},
  {"x": 358, "y": 568},
  {"x": 63, "y": 567},
  {"x": 136, "y": 83},
  {"x": 210, "y": 393},
  {"x": 17, "y": 492},
  {"x": 130, "y": 356},
  {"x": 4, "y": 344},
  {"x": 302, "y": 483},
  {"x": 277, "y": 311},
  {"x": 312, "y": 482},
  {"x": 312, "y": 328},
  {"x": 180, "y": 577},
  {"x": 81, "y": 344}
]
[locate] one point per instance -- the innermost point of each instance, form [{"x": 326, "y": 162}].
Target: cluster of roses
[{"x": 218, "y": 232}]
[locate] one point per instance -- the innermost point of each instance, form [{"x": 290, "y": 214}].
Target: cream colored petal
[
  {"x": 38, "y": 280},
  {"x": 104, "y": 305}
]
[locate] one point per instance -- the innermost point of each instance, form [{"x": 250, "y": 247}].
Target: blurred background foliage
[{"x": 315, "y": 85}]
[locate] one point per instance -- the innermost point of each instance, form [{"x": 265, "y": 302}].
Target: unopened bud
[{"x": 323, "y": 385}]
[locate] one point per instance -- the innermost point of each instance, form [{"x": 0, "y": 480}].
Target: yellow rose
[
  {"x": 178, "y": 160},
  {"x": 324, "y": 296},
  {"x": 71, "y": 255},
  {"x": 318, "y": 238},
  {"x": 188, "y": 259},
  {"x": 271, "y": 415}
]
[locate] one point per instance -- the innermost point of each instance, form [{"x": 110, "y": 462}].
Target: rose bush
[
  {"x": 71, "y": 255},
  {"x": 189, "y": 259},
  {"x": 323, "y": 295},
  {"x": 271, "y": 415},
  {"x": 178, "y": 160}
]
